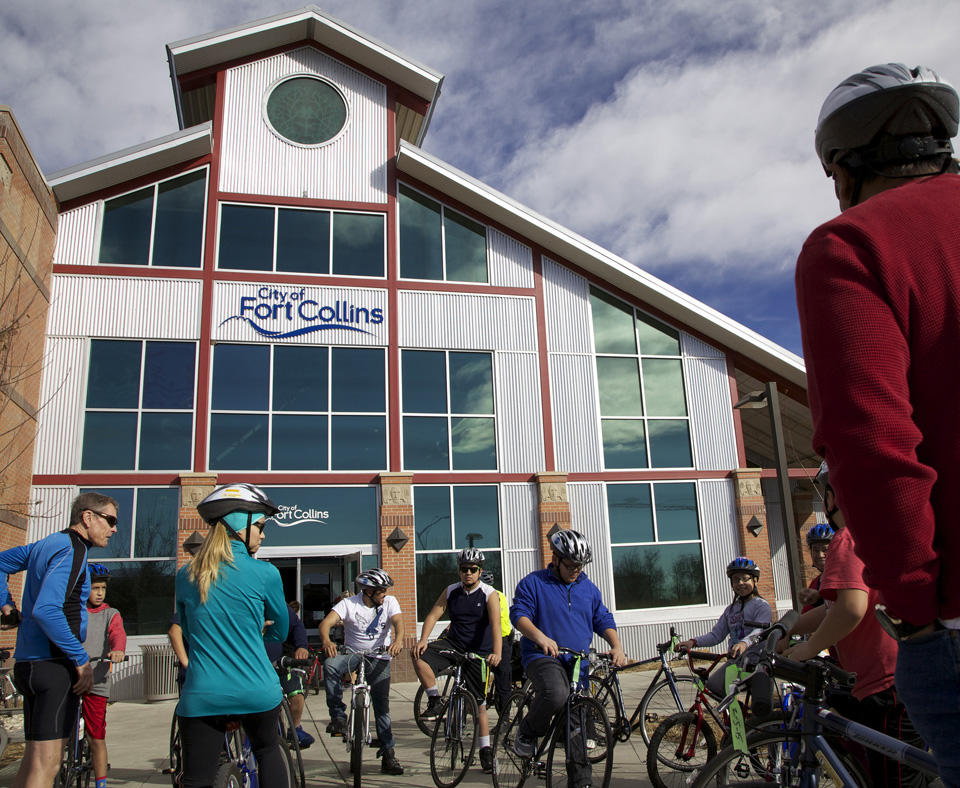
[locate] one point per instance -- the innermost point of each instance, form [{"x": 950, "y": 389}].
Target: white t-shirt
[{"x": 366, "y": 628}]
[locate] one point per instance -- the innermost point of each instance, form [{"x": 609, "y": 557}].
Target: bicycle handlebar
[
  {"x": 369, "y": 652},
  {"x": 290, "y": 662}
]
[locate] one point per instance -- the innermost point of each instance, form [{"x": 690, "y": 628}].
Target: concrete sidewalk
[{"x": 138, "y": 740}]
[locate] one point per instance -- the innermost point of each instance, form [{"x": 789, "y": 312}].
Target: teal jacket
[{"x": 229, "y": 672}]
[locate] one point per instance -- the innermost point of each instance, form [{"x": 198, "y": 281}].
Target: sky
[{"x": 677, "y": 134}]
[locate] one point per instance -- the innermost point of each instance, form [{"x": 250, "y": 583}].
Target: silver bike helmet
[
  {"x": 573, "y": 546},
  {"x": 374, "y": 579},
  {"x": 470, "y": 555},
  {"x": 228, "y": 498}
]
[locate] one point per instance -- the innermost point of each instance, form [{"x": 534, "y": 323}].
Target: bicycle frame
[{"x": 362, "y": 704}]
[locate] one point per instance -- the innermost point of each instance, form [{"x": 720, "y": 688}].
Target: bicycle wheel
[
  {"x": 606, "y": 695},
  {"x": 228, "y": 776},
  {"x": 658, "y": 703},
  {"x": 420, "y": 703},
  {"x": 590, "y": 747},
  {"x": 677, "y": 748},
  {"x": 176, "y": 753},
  {"x": 454, "y": 739},
  {"x": 85, "y": 769},
  {"x": 509, "y": 769},
  {"x": 68, "y": 773},
  {"x": 291, "y": 778},
  {"x": 314, "y": 681},
  {"x": 358, "y": 738},
  {"x": 288, "y": 733}
]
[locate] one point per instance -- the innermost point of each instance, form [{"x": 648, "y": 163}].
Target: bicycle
[
  {"x": 313, "y": 675},
  {"x": 357, "y": 733},
  {"x": 579, "y": 733},
  {"x": 11, "y": 703},
  {"x": 420, "y": 700}
]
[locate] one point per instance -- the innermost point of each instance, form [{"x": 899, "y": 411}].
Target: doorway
[{"x": 316, "y": 583}]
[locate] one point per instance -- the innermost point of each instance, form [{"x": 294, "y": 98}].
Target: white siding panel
[
  {"x": 711, "y": 413},
  {"x": 60, "y": 417},
  {"x": 132, "y": 308},
  {"x": 691, "y": 346},
  {"x": 467, "y": 321},
  {"x": 511, "y": 262},
  {"x": 516, "y": 566},
  {"x": 50, "y": 510},
  {"x": 718, "y": 526},
  {"x": 567, "y": 305},
  {"x": 519, "y": 415},
  {"x": 520, "y": 533},
  {"x": 640, "y": 640},
  {"x": 588, "y": 515},
  {"x": 352, "y": 166},
  {"x": 76, "y": 235},
  {"x": 778, "y": 541},
  {"x": 576, "y": 421}
]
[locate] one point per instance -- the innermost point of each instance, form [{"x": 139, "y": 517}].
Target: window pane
[
  {"x": 623, "y": 444},
  {"x": 435, "y": 571},
  {"x": 358, "y": 443},
  {"x": 619, "y": 382},
  {"x": 299, "y": 443},
  {"x": 631, "y": 515},
  {"x": 119, "y": 544},
  {"x": 358, "y": 244},
  {"x": 471, "y": 383},
  {"x": 669, "y": 444},
  {"x": 476, "y": 517},
  {"x": 241, "y": 377},
  {"x": 658, "y": 576},
  {"x": 612, "y": 323},
  {"x": 663, "y": 387},
  {"x": 109, "y": 441},
  {"x": 676, "y": 512},
  {"x": 166, "y": 440},
  {"x": 431, "y": 518},
  {"x": 299, "y": 378},
  {"x": 158, "y": 512},
  {"x": 246, "y": 237},
  {"x": 114, "y": 379},
  {"x": 424, "y": 381},
  {"x": 421, "y": 254},
  {"x": 466, "y": 243},
  {"x": 168, "y": 375},
  {"x": 303, "y": 241},
  {"x": 425, "y": 443},
  {"x": 238, "y": 441},
  {"x": 125, "y": 235},
  {"x": 178, "y": 237},
  {"x": 358, "y": 382},
  {"x": 474, "y": 444},
  {"x": 143, "y": 591},
  {"x": 656, "y": 338}
]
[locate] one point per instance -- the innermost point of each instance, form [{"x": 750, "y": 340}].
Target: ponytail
[{"x": 204, "y": 567}]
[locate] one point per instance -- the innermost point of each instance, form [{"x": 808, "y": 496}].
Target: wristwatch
[{"x": 897, "y": 628}]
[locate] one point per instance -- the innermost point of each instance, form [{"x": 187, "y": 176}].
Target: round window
[{"x": 306, "y": 110}]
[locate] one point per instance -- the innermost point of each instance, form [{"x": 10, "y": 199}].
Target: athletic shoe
[
  {"x": 486, "y": 759},
  {"x": 390, "y": 764},
  {"x": 304, "y": 738},
  {"x": 434, "y": 705},
  {"x": 337, "y": 726},
  {"x": 524, "y": 746}
]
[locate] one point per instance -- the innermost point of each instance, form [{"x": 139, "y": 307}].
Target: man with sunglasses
[
  {"x": 474, "y": 609},
  {"x": 52, "y": 667}
]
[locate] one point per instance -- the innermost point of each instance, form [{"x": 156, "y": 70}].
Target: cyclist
[
  {"x": 818, "y": 540},
  {"x": 474, "y": 609},
  {"x": 106, "y": 639},
  {"x": 223, "y": 597},
  {"x": 502, "y": 673},
  {"x": 554, "y": 607},
  {"x": 371, "y": 619},
  {"x": 53, "y": 669},
  {"x": 291, "y": 682}
]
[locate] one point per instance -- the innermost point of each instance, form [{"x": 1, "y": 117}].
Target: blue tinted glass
[
  {"x": 358, "y": 381},
  {"x": 471, "y": 383},
  {"x": 466, "y": 247},
  {"x": 474, "y": 444},
  {"x": 178, "y": 237},
  {"x": 168, "y": 375},
  {"x": 669, "y": 444},
  {"x": 425, "y": 443},
  {"x": 676, "y": 512},
  {"x": 435, "y": 571},
  {"x": 299, "y": 443},
  {"x": 238, "y": 441},
  {"x": 158, "y": 514},
  {"x": 431, "y": 518},
  {"x": 109, "y": 441},
  {"x": 613, "y": 330},
  {"x": 631, "y": 514},
  {"x": 246, "y": 237},
  {"x": 476, "y": 517},
  {"x": 618, "y": 380},
  {"x": 114, "y": 379},
  {"x": 311, "y": 516},
  {"x": 143, "y": 590},
  {"x": 658, "y": 576},
  {"x": 241, "y": 377},
  {"x": 358, "y": 244},
  {"x": 299, "y": 378},
  {"x": 119, "y": 544},
  {"x": 166, "y": 441},
  {"x": 303, "y": 241},
  {"x": 424, "y": 381},
  {"x": 358, "y": 443},
  {"x": 125, "y": 235},
  {"x": 623, "y": 444},
  {"x": 421, "y": 250}
]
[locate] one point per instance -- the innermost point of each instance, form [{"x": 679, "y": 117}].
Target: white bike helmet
[
  {"x": 229, "y": 498},
  {"x": 573, "y": 546},
  {"x": 374, "y": 579}
]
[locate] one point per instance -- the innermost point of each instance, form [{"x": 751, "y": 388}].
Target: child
[
  {"x": 818, "y": 540},
  {"x": 107, "y": 640}
]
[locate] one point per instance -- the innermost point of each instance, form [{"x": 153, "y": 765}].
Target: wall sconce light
[
  {"x": 397, "y": 539},
  {"x": 755, "y": 526},
  {"x": 552, "y": 531},
  {"x": 192, "y": 543}
]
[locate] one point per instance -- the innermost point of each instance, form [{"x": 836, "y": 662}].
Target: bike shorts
[
  {"x": 95, "y": 715},
  {"x": 49, "y": 703},
  {"x": 471, "y": 669},
  {"x": 291, "y": 683}
]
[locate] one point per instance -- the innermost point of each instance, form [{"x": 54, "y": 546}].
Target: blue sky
[{"x": 677, "y": 134}]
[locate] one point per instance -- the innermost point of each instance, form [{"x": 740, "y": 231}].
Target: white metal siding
[
  {"x": 467, "y": 321},
  {"x": 131, "y": 308},
  {"x": 511, "y": 262},
  {"x": 57, "y": 447},
  {"x": 520, "y": 533},
  {"x": 778, "y": 541},
  {"x": 640, "y": 640},
  {"x": 76, "y": 235},
  {"x": 50, "y": 510},
  {"x": 718, "y": 526},
  {"x": 692, "y": 346},
  {"x": 711, "y": 413},
  {"x": 567, "y": 305},
  {"x": 352, "y": 166},
  {"x": 576, "y": 422},
  {"x": 588, "y": 515},
  {"x": 519, "y": 415}
]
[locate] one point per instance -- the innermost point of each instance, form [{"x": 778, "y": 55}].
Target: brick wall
[{"x": 749, "y": 504}]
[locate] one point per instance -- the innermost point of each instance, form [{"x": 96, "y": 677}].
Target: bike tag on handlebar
[
  {"x": 738, "y": 729},
  {"x": 576, "y": 669}
]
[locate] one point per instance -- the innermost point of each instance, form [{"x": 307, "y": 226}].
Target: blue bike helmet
[
  {"x": 821, "y": 532},
  {"x": 99, "y": 573},
  {"x": 743, "y": 564}
]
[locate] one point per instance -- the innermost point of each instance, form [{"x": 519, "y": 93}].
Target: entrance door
[{"x": 321, "y": 582}]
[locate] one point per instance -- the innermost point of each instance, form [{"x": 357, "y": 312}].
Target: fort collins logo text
[
  {"x": 294, "y": 515},
  {"x": 278, "y": 314}
]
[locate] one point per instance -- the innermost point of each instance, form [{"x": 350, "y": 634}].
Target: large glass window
[
  {"x": 436, "y": 242},
  {"x": 447, "y": 400},
  {"x": 139, "y": 407},
  {"x": 161, "y": 224},
  {"x": 656, "y": 546},
  {"x": 447, "y": 519},
  {"x": 301, "y": 240},
  {"x": 297, "y": 408},
  {"x": 643, "y": 407}
]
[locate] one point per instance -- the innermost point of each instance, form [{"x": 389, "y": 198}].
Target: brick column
[
  {"x": 748, "y": 495},
  {"x": 806, "y": 518},
  {"x": 194, "y": 487},
  {"x": 396, "y": 512},
  {"x": 552, "y": 508}
]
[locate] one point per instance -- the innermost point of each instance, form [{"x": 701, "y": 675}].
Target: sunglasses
[
  {"x": 570, "y": 566},
  {"x": 111, "y": 520},
  {"x": 470, "y": 569}
]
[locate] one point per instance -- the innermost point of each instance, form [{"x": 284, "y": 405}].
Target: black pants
[
  {"x": 202, "y": 739},
  {"x": 503, "y": 674},
  {"x": 884, "y": 712}
]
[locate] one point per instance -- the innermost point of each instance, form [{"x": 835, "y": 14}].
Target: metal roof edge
[{"x": 570, "y": 246}]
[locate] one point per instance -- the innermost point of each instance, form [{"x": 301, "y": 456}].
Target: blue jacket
[
  {"x": 296, "y": 638},
  {"x": 567, "y": 614},
  {"x": 55, "y": 591},
  {"x": 229, "y": 671}
]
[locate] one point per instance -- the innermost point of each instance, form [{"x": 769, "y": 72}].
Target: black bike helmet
[
  {"x": 470, "y": 555},
  {"x": 228, "y": 498},
  {"x": 743, "y": 564}
]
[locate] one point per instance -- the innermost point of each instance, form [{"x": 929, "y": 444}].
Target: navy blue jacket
[{"x": 296, "y": 638}]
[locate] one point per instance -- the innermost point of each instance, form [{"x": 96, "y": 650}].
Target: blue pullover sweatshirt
[{"x": 569, "y": 614}]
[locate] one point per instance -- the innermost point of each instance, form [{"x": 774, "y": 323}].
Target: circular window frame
[{"x": 301, "y": 75}]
